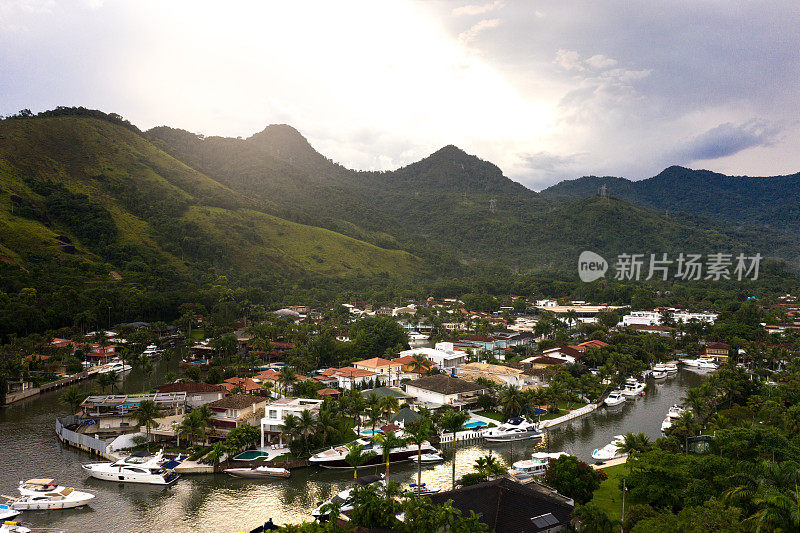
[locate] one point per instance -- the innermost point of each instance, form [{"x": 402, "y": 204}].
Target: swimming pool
[
  {"x": 472, "y": 424},
  {"x": 368, "y": 432},
  {"x": 250, "y": 455}
]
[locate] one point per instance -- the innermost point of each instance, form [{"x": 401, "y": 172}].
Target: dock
[{"x": 46, "y": 387}]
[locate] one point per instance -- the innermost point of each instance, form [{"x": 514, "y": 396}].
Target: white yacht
[
  {"x": 610, "y": 451},
  {"x": 47, "y": 500},
  {"x": 536, "y": 465},
  {"x": 517, "y": 428},
  {"x": 343, "y": 498},
  {"x": 417, "y": 336},
  {"x": 673, "y": 414},
  {"x": 259, "y": 472},
  {"x": 671, "y": 368},
  {"x": 633, "y": 387},
  {"x": 658, "y": 374},
  {"x": 700, "y": 364},
  {"x": 151, "y": 351},
  {"x": 615, "y": 397},
  {"x": 136, "y": 468},
  {"x": 114, "y": 366},
  {"x": 427, "y": 458},
  {"x": 335, "y": 457}
]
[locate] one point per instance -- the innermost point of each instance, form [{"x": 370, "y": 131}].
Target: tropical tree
[
  {"x": 591, "y": 519},
  {"x": 326, "y": 425},
  {"x": 512, "y": 401},
  {"x": 290, "y": 426},
  {"x": 104, "y": 380},
  {"x": 634, "y": 444},
  {"x": 389, "y": 442},
  {"x": 112, "y": 379},
  {"x": 388, "y": 405},
  {"x": 357, "y": 457},
  {"x": 489, "y": 467},
  {"x": 73, "y": 397},
  {"x": 191, "y": 428},
  {"x": 373, "y": 408},
  {"x": 217, "y": 452},
  {"x": 146, "y": 416},
  {"x": 205, "y": 418},
  {"x": 453, "y": 422},
  {"x": 305, "y": 426},
  {"x": 286, "y": 378},
  {"x": 418, "y": 432},
  {"x": 419, "y": 363}
]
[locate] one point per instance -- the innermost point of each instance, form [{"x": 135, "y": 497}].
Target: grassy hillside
[{"x": 84, "y": 190}]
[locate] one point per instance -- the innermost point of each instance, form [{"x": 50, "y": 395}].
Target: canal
[{"x": 212, "y": 503}]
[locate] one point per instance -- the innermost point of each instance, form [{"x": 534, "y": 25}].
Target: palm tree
[
  {"x": 146, "y": 416},
  {"x": 205, "y": 419},
  {"x": 419, "y": 363},
  {"x": 770, "y": 491},
  {"x": 418, "y": 432},
  {"x": 373, "y": 409},
  {"x": 512, "y": 400},
  {"x": 104, "y": 380},
  {"x": 453, "y": 422},
  {"x": 356, "y": 457},
  {"x": 634, "y": 445},
  {"x": 388, "y": 405},
  {"x": 73, "y": 397},
  {"x": 191, "y": 428},
  {"x": 389, "y": 441},
  {"x": 112, "y": 379},
  {"x": 305, "y": 425},
  {"x": 326, "y": 424},
  {"x": 286, "y": 378},
  {"x": 590, "y": 519},
  {"x": 489, "y": 467},
  {"x": 290, "y": 426},
  {"x": 217, "y": 452},
  {"x": 355, "y": 406}
]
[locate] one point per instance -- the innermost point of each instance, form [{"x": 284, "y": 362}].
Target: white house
[
  {"x": 443, "y": 356},
  {"x": 441, "y": 389},
  {"x": 275, "y": 413},
  {"x": 349, "y": 377},
  {"x": 653, "y": 318}
]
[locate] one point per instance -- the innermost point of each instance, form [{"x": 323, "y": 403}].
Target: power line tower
[{"x": 492, "y": 205}]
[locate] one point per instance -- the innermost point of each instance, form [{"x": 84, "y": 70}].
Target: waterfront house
[
  {"x": 407, "y": 368},
  {"x": 236, "y": 410},
  {"x": 566, "y": 353},
  {"x": 500, "y": 374},
  {"x": 718, "y": 351},
  {"x": 506, "y": 505},
  {"x": 197, "y": 394},
  {"x": 349, "y": 377},
  {"x": 276, "y": 411},
  {"x": 385, "y": 368},
  {"x": 440, "y": 389},
  {"x": 443, "y": 355}
]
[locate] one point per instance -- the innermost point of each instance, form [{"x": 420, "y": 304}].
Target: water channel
[{"x": 211, "y": 503}]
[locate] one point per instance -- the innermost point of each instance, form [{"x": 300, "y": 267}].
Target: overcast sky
[{"x": 547, "y": 90}]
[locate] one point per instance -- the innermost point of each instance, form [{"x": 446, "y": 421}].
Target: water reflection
[{"x": 223, "y": 503}]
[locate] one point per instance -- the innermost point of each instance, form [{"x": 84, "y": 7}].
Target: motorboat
[
  {"x": 258, "y": 472},
  {"x": 427, "y": 458},
  {"x": 700, "y": 364},
  {"x": 536, "y": 465},
  {"x": 151, "y": 351},
  {"x": 517, "y": 428},
  {"x": 615, "y": 397},
  {"x": 633, "y": 387},
  {"x": 114, "y": 366},
  {"x": 416, "y": 336},
  {"x": 343, "y": 498},
  {"x": 671, "y": 368},
  {"x": 136, "y": 468},
  {"x": 7, "y": 513},
  {"x": 611, "y": 450},
  {"x": 13, "y": 527},
  {"x": 334, "y": 457},
  {"x": 421, "y": 490},
  {"x": 66, "y": 498},
  {"x": 674, "y": 413},
  {"x": 658, "y": 374}
]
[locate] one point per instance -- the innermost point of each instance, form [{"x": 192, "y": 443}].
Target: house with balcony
[
  {"x": 349, "y": 377},
  {"x": 236, "y": 410},
  {"x": 276, "y": 412},
  {"x": 389, "y": 370},
  {"x": 443, "y": 356}
]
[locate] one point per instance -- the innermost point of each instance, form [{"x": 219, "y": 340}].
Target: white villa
[{"x": 275, "y": 413}]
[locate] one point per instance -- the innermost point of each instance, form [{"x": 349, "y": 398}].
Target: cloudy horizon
[{"x": 546, "y": 91}]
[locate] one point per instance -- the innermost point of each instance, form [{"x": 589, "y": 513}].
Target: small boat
[
  {"x": 610, "y": 451},
  {"x": 673, "y": 414},
  {"x": 517, "y": 428},
  {"x": 614, "y": 398},
  {"x": 114, "y": 366},
  {"x": 136, "y": 468},
  {"x": 421, "y": 490},
  {"x": 66, "y": 498},
  {"x": 536, "y": 465},
  {"x": 427, "y": 458},
  {"x": 659, "y": 374},
  {"x": 343, "y": 498},
  {"x": 6, "y": 512},
  {"x": 633, "y": 388},
  {"x": 13, "y": 527},
  {"x": 258, "y": 472},
  {"x": 335, "y": 457},
  {"x": 700, "y": 364},
  {"x": 671, "y": 368}
]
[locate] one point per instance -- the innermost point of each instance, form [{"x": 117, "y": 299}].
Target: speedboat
[
  {"x": 258, "y": 472},
  {"x": 13, "y": 527},
  {"x": 673, "y": 414},
  {"x": 671, "y": 368},
  {"x": 334, "y": 457},
  {"x": 633, "y": 388},
  {"x": 136, "y": 468},
  {"x": 700, "y": 364},
  {"x": 517, "y": 428},
  {"x": 427, "y": 458},
  {"x": 66, "y": 498},
  {"x": 659, "y": 374},
  {"x": 343, "y": 498},
  {"x": 536, "y": 465},
  {"x": 610, "y": 451},
  {"x": 614, "y": 398},
  {"x": 114, "y": 366},
  {"x": 421, "y": 490},
  {"x": 6, "y": 512}
]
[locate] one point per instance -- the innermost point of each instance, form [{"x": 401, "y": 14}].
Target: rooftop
[
  {"x": 236, "y": 401},
  {"x": 189, "y": 387},
  {"x": 490, "y": 369},
  {"x": 444, "y": 384}
]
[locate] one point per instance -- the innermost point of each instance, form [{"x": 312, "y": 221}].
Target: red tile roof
[{"x": 374, "y": 362}]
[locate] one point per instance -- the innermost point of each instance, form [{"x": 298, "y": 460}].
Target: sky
[{"x": 547, "y": 90}]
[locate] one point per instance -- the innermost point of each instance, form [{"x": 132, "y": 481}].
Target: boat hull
[
  {"x": 513, "y": 438},
  {"x": 123, "y": 477},
  {"x": 250, "y": 473},
  {"x": 340, "y": 463},
  {"x": 51, "y": 505}
]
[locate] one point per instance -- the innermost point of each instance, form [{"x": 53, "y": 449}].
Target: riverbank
[{"x": 608, "y": 496}]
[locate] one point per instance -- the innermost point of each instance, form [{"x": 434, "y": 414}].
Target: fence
[
  {"x": 79, "y": 440},
  {"x": 447, "y": 438}
]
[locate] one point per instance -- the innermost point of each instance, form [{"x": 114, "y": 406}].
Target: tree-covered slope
[{"x": 772, "y": 202}]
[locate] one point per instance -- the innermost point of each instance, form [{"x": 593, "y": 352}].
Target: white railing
[{"x": 570, "y": 416}]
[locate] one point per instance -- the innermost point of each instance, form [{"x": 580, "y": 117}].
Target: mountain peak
[{"x": 285, "y": 143}]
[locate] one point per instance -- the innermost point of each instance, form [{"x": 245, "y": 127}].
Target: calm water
[{"x": 214, "y": 503}]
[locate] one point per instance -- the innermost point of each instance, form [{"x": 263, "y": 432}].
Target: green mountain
[
  {"x": 87, "y": 193},
  {"x": 771, "y": 202}
]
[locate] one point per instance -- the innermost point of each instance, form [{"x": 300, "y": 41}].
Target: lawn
[
  {"x": 490, "y": 414},
  {"x": 608, "y": 496}
]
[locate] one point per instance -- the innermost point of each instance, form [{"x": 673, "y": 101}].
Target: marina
[{"x": 203, "y": 502}]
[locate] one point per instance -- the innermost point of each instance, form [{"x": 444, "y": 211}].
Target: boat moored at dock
[
  {"x": 514, "y": 429},
  {"x": 136, "y": 468}
]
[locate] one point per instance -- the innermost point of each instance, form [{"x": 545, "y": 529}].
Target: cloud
[
  {"x": 569, "y": 60},
  {"x": 728, "y": 139},
  {"x": 477, "y": 9},
  {"x": 599, "y": 61},
  {"x": 467, "y": 36}
]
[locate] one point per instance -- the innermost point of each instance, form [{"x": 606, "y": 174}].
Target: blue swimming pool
[
  {"x": 368, "y": 432},
  {"x": 250, "y": 455},
  {"x": 472, "y": 424}
]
